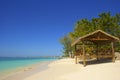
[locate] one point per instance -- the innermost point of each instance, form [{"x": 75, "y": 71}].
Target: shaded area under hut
[{"x": 98, "y": 45}]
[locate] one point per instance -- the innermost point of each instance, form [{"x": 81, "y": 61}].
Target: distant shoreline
[{"x": 32, "y": 57}]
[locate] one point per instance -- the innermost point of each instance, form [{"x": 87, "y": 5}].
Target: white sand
[{"x": 66, "y": 69}]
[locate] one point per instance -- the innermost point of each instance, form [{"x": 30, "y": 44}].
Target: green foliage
[
  {"x": 105, "y": 22},
  {"x": 66, "y": 42}
]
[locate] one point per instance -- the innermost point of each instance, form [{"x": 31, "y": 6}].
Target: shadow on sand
[{"x": 92, "y": 62}]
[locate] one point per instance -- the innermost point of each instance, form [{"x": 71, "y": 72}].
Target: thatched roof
[{"x": 98, "y": 36}]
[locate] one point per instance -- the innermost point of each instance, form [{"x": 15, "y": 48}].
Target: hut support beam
[
  {"x": 113, "y": 53},
  {"x": 84, "y": 62},
  {"x": 75, "y": 55},
  {"x": 76, "y": 59},
  {"x": 98, "y": 58}
]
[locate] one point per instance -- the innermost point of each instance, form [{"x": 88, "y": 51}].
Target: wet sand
[{"x": 23, "y": 72}]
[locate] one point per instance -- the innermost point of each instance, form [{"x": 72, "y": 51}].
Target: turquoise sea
[{"x": 7, "y": 64}]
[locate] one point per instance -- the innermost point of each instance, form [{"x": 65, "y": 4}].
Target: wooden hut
[{"x": 98, "y": 38}]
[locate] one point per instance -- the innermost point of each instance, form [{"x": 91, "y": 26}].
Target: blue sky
[{"x": 34, "y": 27}]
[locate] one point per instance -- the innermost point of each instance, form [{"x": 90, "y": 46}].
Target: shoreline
[
  {"x": 56, "y": 69},
  {"x": 66, "y": 69},
  {"x": 26, "y": 71}
]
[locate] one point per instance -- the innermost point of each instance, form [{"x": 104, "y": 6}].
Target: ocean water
[{"x": 7, "y": 64}]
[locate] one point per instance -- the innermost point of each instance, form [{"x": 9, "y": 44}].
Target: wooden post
[
  {"x": 84, "y": 62},
  {"x": 97, "y": 53},
  {"x": 76, "y": 59},
  {"x": 113, "y": 53},
  {"x": 75, "y": 54}
]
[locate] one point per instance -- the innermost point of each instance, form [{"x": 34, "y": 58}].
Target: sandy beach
[{"x": 66, "y": 69}]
